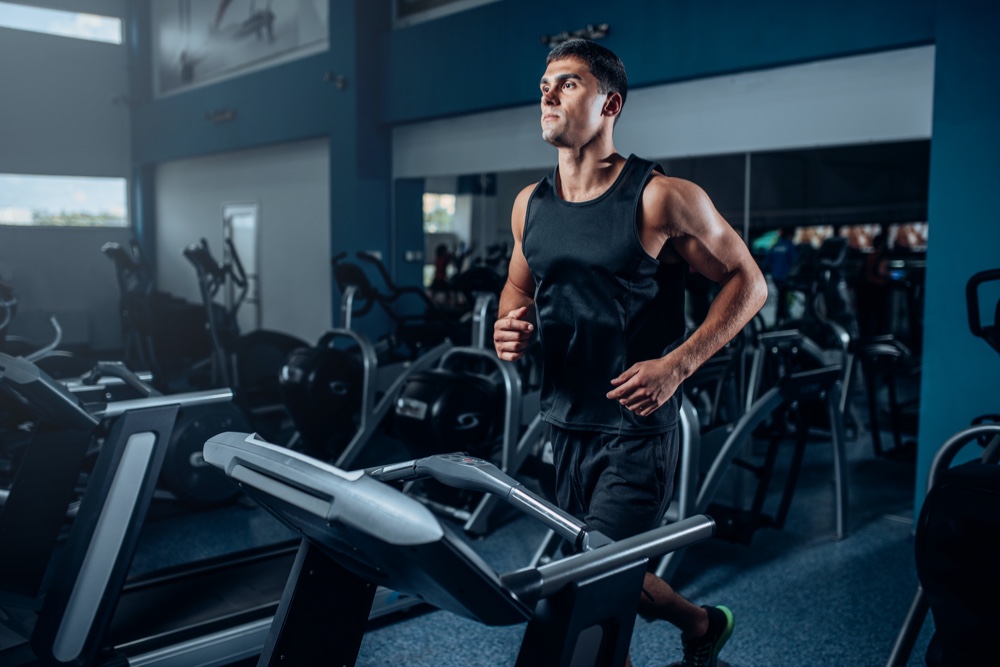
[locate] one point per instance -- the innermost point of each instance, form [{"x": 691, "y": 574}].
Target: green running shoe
[{"x": 704, "y": 651}]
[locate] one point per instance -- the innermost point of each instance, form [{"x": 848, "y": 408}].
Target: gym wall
[
  {"x": 64, "y": 112},
  {"x": 289, "y": 182},
  {"x": 885, "y": 96}
]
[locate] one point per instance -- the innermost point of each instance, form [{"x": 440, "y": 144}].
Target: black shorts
[{"x": 618, "y": 484}]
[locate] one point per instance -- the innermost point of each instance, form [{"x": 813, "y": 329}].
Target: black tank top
[{"x": 603, "y": 303}]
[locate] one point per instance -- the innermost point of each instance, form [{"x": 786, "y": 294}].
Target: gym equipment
[
  {"x": 957, "y": 572},
  {"x": 718, "y": 387},
  {"x": 958, "y": 576},
  {"x": 806, "y": 387},
  {"x": 885, "y": 361},
  {"x": 704, "y": 461},
  {"x": 819, "y": 277},
  {"x": 471, "y": 401},
  {"x": 829, "y": 319},
  {"x": 988, "y": 332},
  {"x": 797, "y": 349},
  {"x": 358, "y": 532},
  {"x": 57, "y": 362},
  {"x": 161, "y": 333},
  {"x": 418, "y": 321},
  {"x": 52, "y": 406},
  {"x": 339, "y": 398},
  {"x": 68, "y": 601},
  {"x": 63, "y": 597},
  {"x": 249, "y": 363},
  {"x": 339, "y": 391}
]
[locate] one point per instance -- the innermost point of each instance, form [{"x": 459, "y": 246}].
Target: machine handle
[
  {"x": 119, "y": 370},
  {"x": 462, "y": 471},
  {"x": 972, "y": 298}
]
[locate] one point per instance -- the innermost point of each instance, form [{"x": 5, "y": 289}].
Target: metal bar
[
  {"x": 910, "y": 630},
  {"x": 650, "y": 544},
  {"x": 190, "y": 399}
]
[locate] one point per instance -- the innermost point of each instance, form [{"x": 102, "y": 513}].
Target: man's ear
[{"x": 613, "y": 105}]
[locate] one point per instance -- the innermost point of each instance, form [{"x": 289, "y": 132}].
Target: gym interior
[{"x": 289, "y": 222}]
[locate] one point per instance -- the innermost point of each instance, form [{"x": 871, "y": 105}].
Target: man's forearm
[
  {"x": 512, "y": 298},
  {"x": 740, "y": 298}
]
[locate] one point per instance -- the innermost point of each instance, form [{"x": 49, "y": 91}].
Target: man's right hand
[{"x": 512, "y": 333}]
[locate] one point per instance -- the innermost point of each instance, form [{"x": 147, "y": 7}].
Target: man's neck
[{"x": 587, "y": 174}]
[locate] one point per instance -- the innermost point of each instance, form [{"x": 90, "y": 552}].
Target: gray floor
[{"x": 799, "y": 596}]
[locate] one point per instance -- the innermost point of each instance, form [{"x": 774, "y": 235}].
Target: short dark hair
[{"x": 606, "y": 67}]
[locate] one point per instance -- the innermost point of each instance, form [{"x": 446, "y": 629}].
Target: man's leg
[
  {"x": 661, "y": 601},
  {"x": 704, "y": 630},
  {"x": 622, "y": 486}
]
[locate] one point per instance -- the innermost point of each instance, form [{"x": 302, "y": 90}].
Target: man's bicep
[
  {"x": 703, "y": 238},
  {"x": 518, "y": 273}
]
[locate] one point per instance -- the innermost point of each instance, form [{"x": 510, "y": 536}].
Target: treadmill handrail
[
  {"x": 470, "y": 473},
  {"x": 187, "y": 399},
  {"x": 534, "y": 583},
  {"x": 44, "y": 393}
]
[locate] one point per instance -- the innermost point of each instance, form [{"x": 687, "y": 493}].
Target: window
[
  {"x": 63, "y": 201},
  {"x": 57, "y": 22},
  {"x": 439, "y": 213}
]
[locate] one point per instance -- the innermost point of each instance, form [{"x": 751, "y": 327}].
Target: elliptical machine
[
  {"x": 248, "y": 363},
  {"x": 828, "y": 319},
  {"x": 161, "y": 333},
  {"x": 418, "y": 321}
]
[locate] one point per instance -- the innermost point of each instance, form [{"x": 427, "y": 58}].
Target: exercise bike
[
  {"x": 417, "y": 321},
  {"x": 473, "y": 401},
  {"x": 340, "y": 391},
  {"x": 956, "y": 567}
]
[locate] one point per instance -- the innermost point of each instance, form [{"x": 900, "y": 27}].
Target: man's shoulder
[
  {"x": 670, "y": 191},
  {"x": 525, "y": 194}
]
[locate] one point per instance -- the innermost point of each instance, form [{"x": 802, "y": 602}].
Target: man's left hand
[{"x": 646, "y": 386}]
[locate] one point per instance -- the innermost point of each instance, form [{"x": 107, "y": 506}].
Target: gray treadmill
[
  {"x": 359, "y": 532},
  {"x": 64, "y": 586}
]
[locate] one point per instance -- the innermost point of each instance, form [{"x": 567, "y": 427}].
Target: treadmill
[
  {"x": 359, "y": 532},
  {"x": 64, "y": 590}
]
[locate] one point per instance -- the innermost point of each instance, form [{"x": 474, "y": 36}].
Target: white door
[{"x": 239, "y": 226}]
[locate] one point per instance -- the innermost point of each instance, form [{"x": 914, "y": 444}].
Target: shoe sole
[{"x": 726, "y": 634}]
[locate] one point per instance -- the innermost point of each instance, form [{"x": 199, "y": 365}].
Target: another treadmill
[{"x": 64, "y": 590}]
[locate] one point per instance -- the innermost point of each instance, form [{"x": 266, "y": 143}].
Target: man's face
[{"x": 572, "y": 104}]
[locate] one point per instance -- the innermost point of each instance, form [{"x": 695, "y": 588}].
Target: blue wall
[
  {"x": 490, "y": 57},
  {"x": 959, "y": 371},
  {"x": 290, "y": 102}
]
